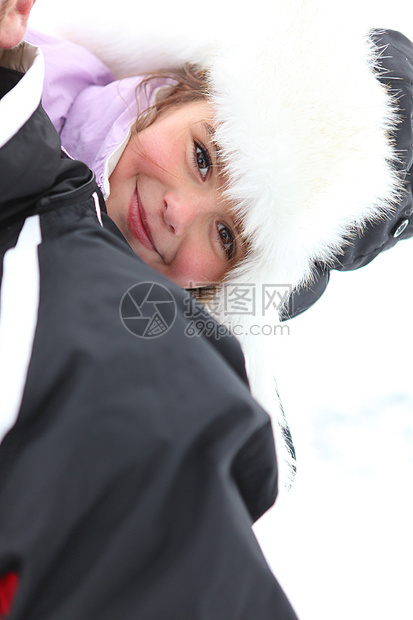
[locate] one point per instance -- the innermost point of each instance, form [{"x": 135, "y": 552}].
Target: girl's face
[{"x": 166, "y": 198}]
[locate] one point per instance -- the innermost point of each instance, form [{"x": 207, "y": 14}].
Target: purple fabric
[
  {"x": 69, "y": 69},
  {"x": 99, "y": 121},
  {"x": 89, "y": 108}
]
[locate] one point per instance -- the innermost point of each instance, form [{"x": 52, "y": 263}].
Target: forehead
[{"x": 188, "y": 114}]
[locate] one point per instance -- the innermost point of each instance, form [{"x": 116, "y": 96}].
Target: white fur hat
[{"x": 302, "y": 122}]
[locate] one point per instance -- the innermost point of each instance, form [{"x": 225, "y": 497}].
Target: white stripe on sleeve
[
  {"x": 97, "y": 208},
  {"x": 19, "y": 305}
]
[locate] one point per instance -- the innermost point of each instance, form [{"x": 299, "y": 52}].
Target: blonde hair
[{"x": 182, "y": 85}]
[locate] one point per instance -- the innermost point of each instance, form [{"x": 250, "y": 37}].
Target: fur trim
[{"x": 303, "y": 124}]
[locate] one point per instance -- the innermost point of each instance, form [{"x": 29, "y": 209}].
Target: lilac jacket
[{"x": 92, "y": 111}]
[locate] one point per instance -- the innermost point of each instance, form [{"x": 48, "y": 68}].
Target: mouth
[{"x": 138, "y": 223}]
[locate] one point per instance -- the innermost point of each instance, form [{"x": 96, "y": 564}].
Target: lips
[{"x": 138, "y": 223}]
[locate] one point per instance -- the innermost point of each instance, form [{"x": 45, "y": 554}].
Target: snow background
[{"x": 341, "y": 542}]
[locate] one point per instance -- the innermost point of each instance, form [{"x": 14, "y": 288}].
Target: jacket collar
[
  {"x": 18, "y": 105},
  {"x": 32, "y": 166}
]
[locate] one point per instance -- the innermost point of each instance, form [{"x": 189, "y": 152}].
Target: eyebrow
[{"x": 210, "y": 130}]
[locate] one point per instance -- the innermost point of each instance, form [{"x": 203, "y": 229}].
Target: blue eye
[
  {"x": 202, "y": 160},
  {"x": 227, "y": 239}
]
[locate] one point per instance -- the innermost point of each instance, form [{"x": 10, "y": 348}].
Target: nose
[{"x": 183, "y": 209}]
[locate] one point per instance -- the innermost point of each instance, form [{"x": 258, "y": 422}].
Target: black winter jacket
[{"x": 131, "y": 468}]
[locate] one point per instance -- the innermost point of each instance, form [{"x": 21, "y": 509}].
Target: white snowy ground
[{"x": 341, "y": 542}]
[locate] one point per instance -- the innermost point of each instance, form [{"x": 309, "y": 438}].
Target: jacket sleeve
[
  {"x": 140, "y": 507},
  {"x": 69, "y": 69}
]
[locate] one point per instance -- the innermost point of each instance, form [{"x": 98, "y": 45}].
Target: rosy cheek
[
  {"x": 158, "y": 157},
  {"x": 196, "y": 268}
]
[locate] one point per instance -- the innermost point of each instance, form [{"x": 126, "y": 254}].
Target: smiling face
[{"x": 166, "y": 198}]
